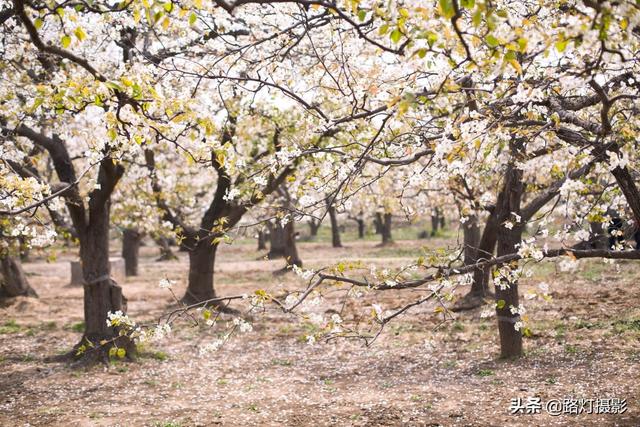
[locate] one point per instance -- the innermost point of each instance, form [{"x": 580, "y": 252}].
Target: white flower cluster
[
  {"x": 242, "y": 325},
  {"x": 505, "y": 276},
  {"x": 119, "y": 319},
  {"x": 569, "y": 265},
  {"x": 290, "y": 301},
  {"x": 166, "y": 283},
  {"x": 231, "y": 194},
  {"x": 212, "y": 346},
  {"x": 304, "y": 274},
  {"x": 528, "y": 249},
  {"x": 617, "y": 160}
]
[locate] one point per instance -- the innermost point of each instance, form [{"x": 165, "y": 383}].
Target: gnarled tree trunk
[
  {"x": 130, "y": 250},
  {"x": 14, "y": 281}
]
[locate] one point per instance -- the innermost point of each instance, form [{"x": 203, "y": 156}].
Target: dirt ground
[{"x": 585, "y": 344}]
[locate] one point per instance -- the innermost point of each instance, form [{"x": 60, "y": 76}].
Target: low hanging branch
[{"x": 453, "y": 271}]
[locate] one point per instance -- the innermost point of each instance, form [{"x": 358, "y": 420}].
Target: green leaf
[
  {"x": 121, "y": 352},
  {"x": 192, "y": 18},
  {"x": 446, "y": 8},
  {"x": 468, "y": 4},
  {"x": 477, "y": 18},
  {"x": 492, "y": 41},
  {"x": 66, "y": 41},
  {"x": 395, "y": 35},
  {"x": 168, "y": 7},
  {"x": 561, "y": 45},
  {"x": 500, "y": 304},
  {"x": 362, "y": 14},
  {"x": 432, "y": 38},
  {"x": 80, "y": 34},
  {"x": 38, "y": 23}
]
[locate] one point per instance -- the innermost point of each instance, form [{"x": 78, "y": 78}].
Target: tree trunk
[
  {"x": 278, "y": 242},
  {"x": 360, "y": 222},
  {"x": 335, "y": 231},
  {"x": 510, "y": 338},
  {"x": 130, "y": 249},
  {"x": 101, "y": 294},
  {"x": 473, "y": 252},
  {"x": 480, "y": 285},
  {"x": 377, "y": 223},
  {"x": 471, "y": 235},
  {"x": 166, "y": 254},
  {"x": 435, "y": 222},
  {"x": 386, "y": 229},
  {"x": 262, "y": 240},
  {"x": 201, "y": 261},
  {"x": 598, "y": 238},
  {"x": 314, "y": 226},
  {"x": 14, "y": 280},
  {"x": 291, "y": 250},
  {"x": 24, "y": 251}
]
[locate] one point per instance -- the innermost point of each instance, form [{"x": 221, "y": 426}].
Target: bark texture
[
  {"x": 14, "y": 281},
  {"x": 335, "y": 230},
  {"x": 130, "y": 250}
]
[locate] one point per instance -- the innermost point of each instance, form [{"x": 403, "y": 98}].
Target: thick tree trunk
[
  {"x": 480, "y": 285},
  {"x": 291, "y": 250},
  {"x": 360, "y": 222},
  {"x": 473, "y": 252},
  {"x": 377, "y": 223},
  {"x": 598, "y": 238},
  {"x": 166, "y": 254},
  {"x": 278, "y": 241},
  {"x": 14, "y": 281},
  {"x": 262, "y": 240},
  {"x": 508, "y": 239},
  {"x": 24, "y": 251},
  {"x": 201, "y": 262},
  {"x": 435, "y": 222},
  {"x": 314, "y": 226},
  {"x": 101, "y": 294},
  {"x": 386, "y": 229},
  {"x": 335, "y": 231},
  {"x": 471, "y": 236},
  {"x": 130, "y": 250}
]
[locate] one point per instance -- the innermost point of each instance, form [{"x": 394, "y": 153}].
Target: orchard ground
[{"x": 585, "y": 344}]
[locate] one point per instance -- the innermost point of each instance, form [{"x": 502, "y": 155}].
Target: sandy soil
[{"x": 585, "y": 345}]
